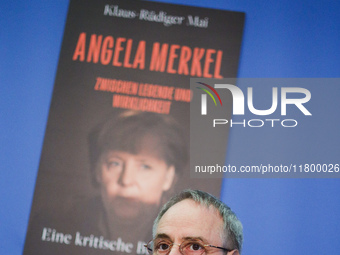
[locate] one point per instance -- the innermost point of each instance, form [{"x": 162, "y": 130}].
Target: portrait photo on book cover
[{"x": 135, "y": 160}]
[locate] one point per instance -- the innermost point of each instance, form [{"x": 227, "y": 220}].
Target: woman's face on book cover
[{"x": 133, "y": 184}]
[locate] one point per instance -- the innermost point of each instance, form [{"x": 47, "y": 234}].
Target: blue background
[{"x": 281, "y": 39}]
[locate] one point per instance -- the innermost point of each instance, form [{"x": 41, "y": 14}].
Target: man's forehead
[
  {"x": 164, "y": 236},
  {"x": 189, "y": 219}
]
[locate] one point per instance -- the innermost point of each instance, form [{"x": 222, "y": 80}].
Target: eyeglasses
[{"x": 187, "y": 247}]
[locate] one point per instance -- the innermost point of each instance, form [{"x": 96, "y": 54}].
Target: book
[{"x": 116, "y": 145}]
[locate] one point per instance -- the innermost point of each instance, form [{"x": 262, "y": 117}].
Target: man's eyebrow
[
  {"x": 163, "y": 236},
  {"x": 195, "y": 238}
]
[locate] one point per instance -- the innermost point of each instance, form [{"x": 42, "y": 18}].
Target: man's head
[
  {"x": 198, "y": 217},
  {"x": 135, "y": 158}
]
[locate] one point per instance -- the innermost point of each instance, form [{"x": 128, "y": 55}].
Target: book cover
[{"x": 116, "y": 145}]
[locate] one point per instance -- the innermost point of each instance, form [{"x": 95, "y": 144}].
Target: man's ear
[
  {"x": 234, "y": 252},
  {"x": 169, "y": 178}
]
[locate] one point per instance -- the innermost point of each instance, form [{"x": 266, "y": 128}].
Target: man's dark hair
[{"x": 131, "y": 130}]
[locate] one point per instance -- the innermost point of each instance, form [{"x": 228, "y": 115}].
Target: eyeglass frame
[{"x": 180, "y": 250}]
